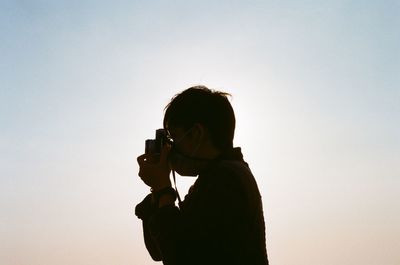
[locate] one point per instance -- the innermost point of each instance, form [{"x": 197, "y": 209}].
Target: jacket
[{"x": 220, "y": 221}]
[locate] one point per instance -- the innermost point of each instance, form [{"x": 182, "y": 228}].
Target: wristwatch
[{"x": 167, "y": 190}]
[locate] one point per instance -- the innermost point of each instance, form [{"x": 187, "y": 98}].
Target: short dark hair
[{"x": 211, "y": 108}]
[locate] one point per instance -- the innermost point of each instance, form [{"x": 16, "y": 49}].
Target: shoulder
[
  {"x": 236, "y": 175},
  {"x": 232, "y": 169},
  {"x": 228, "y": 175}
]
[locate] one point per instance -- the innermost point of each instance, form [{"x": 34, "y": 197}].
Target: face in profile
[{"x": 183, "y": 154}]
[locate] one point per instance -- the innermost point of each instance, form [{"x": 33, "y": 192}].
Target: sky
[{"x": 315, "y": 88}]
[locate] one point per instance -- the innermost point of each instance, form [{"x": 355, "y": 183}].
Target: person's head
[{"x": 202, "y": 121}]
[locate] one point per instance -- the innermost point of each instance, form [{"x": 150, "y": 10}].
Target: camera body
[{"x": 154, "y": 146}]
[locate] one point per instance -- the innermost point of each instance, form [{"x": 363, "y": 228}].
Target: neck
[{"x": 208, "y": 151}]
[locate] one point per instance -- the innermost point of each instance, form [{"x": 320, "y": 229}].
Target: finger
[
  {"x": 142, "y": 158},
  {"x": 142, "y": 170}
]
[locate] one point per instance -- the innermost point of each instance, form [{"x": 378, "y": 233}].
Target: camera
[{"x": 154, "y": 146}]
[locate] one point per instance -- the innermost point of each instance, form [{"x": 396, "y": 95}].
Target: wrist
[
  {"x": 164, "y": 196},
  {"x": 161, "y": 187},
  {"x": 166, "y": 199}
]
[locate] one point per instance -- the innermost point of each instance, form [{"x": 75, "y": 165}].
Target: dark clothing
[{"x": 219, "y": 222}]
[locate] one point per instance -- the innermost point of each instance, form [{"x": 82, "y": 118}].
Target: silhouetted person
[{"x": 220, "y": 221}]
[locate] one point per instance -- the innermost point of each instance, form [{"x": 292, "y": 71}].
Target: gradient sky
[{"x": 316, "y": 90}]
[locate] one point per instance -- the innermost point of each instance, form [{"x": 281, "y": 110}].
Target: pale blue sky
[{"x": 315, "y": 88}]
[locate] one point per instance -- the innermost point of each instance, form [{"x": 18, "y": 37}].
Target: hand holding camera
[{"x": 154, "y": 167}]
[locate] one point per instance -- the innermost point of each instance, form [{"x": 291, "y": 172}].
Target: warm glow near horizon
[{"x": 315, "y": 88}]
